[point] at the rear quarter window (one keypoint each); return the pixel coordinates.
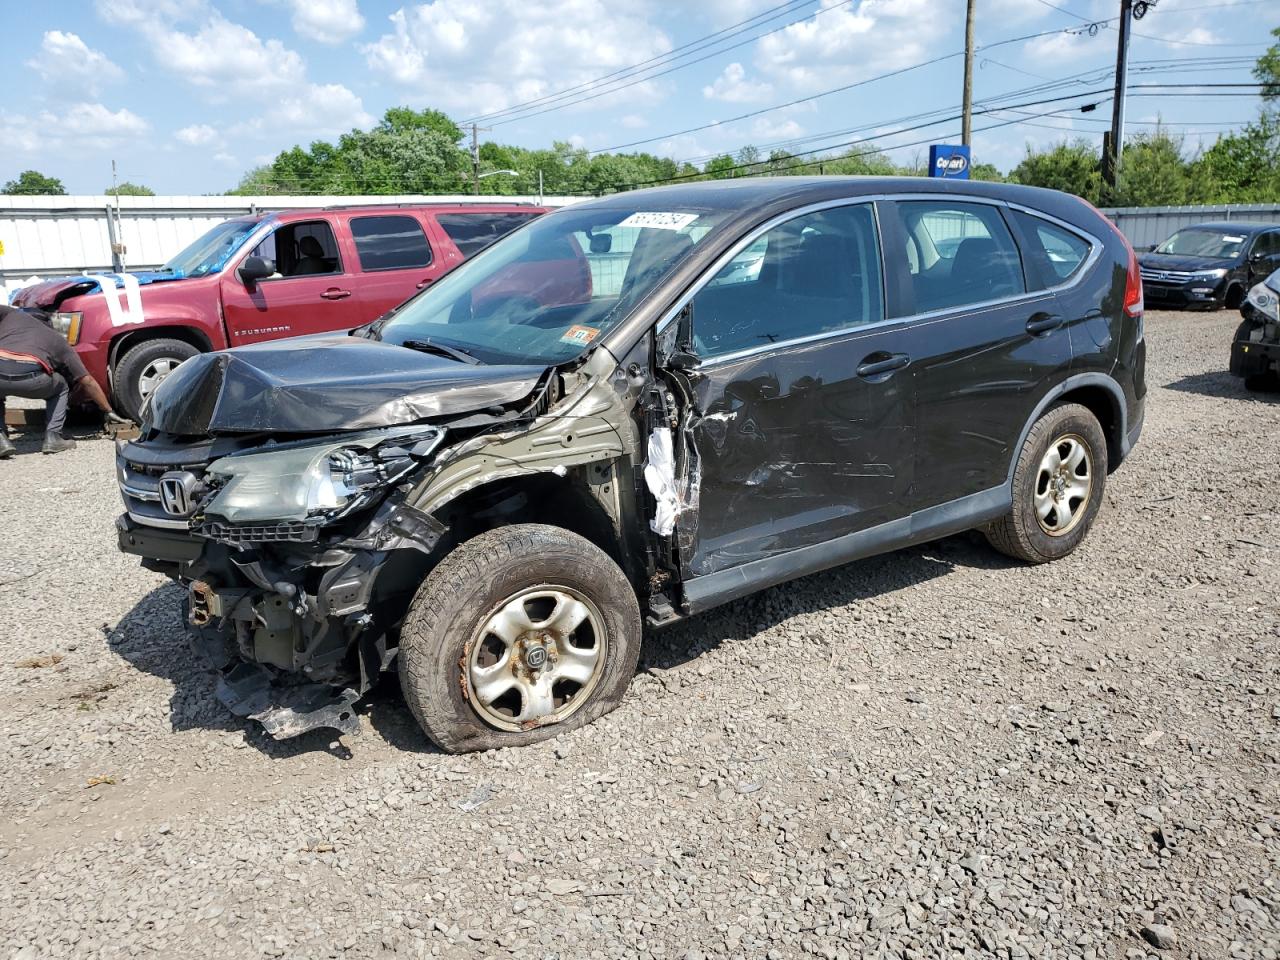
(1055, 252)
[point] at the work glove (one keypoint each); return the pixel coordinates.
(113, 417)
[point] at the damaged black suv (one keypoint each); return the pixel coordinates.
(627, 412)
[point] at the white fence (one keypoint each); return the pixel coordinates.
(54, 236)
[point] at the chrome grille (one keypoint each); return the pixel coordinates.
(1165, 276)
(140, 490)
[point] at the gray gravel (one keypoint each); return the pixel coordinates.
(933, 754)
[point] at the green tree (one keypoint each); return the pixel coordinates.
(1153, 173)
(1267, 70)
(1241, 167)
(1071, 167)
(128, 189)
(31, 182)
(986, 171)
(718, 168)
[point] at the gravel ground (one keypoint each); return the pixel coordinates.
(932, 754)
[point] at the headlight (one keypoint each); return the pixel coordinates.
(315, 480)
(67, 324)
(1266, 301)
(1209, 274)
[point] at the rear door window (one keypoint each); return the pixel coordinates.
(393, 242)
(959, 254)
(472, 232)
(1056, 252)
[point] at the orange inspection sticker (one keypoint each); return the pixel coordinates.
(580, 335)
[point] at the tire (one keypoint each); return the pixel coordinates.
(1023, 533)
(1234, 297)
(134, 372)
(445, 646)
(1268, 382)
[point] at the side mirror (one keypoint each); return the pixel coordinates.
(254, 269)
(601, 242)
(1257, 257)
(1147, 247)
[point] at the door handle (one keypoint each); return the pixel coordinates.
(878, 363)
(1043, 322)
(424, 283)
(333, 293)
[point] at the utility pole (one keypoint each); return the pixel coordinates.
(113, 222)
(966, 125)
(475, 158)
(1113, 147)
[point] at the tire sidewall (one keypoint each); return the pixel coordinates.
(1069, 419)
(435, 645)
(134, 360)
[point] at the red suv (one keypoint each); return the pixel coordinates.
(262, 278)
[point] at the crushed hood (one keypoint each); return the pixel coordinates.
(1180, 262)
(49, 294)
(326, 384)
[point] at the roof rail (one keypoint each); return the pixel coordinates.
(430, 203)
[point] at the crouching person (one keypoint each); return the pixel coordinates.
(37, 363)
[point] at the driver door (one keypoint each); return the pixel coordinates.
(804, 409)
(311, 291)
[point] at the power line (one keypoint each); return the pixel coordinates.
(669, 55)
(833, 90)
(919, 126)
(615, 88)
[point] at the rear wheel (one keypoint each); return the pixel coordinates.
(1058, 483)
(1268, 382)
(142, 368)
(517, 635)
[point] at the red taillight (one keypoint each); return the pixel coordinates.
(1133, 286)
(1133, 305)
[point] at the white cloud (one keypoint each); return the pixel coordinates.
(197, 135)
(149, 11)
(327, 21)
(81, 126)
(67, 62)
(316, 110)
(228, 58)
(763, 128)
(226, 159)
(732, 86)
(633, 121)
(845, 43)
(447, 51)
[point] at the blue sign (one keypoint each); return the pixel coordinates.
(950, 160)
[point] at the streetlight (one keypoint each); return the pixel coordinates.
(493, 173)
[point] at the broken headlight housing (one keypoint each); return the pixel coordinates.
(1265, 299)
(310, 481)
(68, 325)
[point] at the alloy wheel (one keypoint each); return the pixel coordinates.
(1064, 483)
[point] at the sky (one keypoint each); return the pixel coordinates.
(186, 95)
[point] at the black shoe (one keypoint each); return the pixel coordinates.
(53, 443)
(7, 449)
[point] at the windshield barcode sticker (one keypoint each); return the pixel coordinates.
(659, 220)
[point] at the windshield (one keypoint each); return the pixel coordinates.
(212, 250)
(548, 291)
(1214, 244)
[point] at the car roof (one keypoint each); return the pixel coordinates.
(737, 193)
(455, 207)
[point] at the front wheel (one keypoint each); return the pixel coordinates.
(142, 368)
(517, 635)
(1058, 484)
